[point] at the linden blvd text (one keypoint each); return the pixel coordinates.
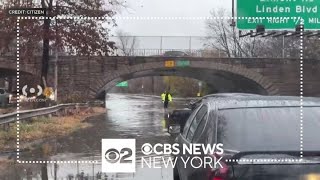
(286, 9)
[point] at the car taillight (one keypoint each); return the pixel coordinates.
(219, 173)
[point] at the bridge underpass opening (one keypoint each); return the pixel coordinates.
(216, 80)
(8, 79)
(8, 73)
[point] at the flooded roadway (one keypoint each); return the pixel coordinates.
(128, 116)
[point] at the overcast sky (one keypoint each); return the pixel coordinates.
(169, 8)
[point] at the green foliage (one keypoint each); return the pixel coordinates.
(81, 36)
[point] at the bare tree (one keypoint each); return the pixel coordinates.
(225, 38)
(312, 48)
(127, 44)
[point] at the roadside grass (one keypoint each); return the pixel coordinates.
(44, 127)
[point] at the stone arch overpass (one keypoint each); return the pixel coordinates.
(93, 76)
(90, 77)
(9, 65)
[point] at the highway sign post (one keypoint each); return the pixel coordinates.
(278, 14)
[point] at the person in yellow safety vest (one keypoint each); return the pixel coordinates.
(166, 98)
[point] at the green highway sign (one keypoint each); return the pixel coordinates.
(122, 84)
(278, 14)
(183, 63)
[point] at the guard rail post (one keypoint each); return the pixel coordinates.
(4, 127)
(77, 108)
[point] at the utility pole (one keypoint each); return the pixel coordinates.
(283, 51)
(56, 76)
(190, 40)
(233, 24)
(56, 65)
(160, 45)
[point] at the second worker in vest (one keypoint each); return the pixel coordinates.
(166, 98)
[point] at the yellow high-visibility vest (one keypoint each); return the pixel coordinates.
(163, 97)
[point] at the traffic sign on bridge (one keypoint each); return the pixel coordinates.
(169, 63)
(278, 14)
(183, 63)
(123, 84)
(179, 63)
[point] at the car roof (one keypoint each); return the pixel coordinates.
(230, 95)
(179, 110)
(235, 102)
(175, 52)
(223, 95)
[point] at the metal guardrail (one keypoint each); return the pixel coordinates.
(25, 114)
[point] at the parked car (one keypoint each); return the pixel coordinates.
(195, 103)
(178, 117)
(175, 54)
(4, 97)
(254, 127)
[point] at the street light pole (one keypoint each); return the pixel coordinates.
(283, 51)
(190, 40)
(233, 22)
(160, 45)
(56, 76)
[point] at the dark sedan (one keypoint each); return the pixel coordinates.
(175, 54)
(263, 137)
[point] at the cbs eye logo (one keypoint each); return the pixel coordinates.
(114, 156)
(32, 91)
(118, 155)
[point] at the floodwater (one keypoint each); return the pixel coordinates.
(128, 116)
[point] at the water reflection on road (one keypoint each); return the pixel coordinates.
(128, 116)
(139, 117)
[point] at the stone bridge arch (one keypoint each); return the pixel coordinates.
(88, 77)
(9, 66)
(110, 79)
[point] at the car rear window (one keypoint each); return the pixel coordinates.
(269, 129)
